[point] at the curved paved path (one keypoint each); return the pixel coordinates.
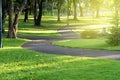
(44, 44)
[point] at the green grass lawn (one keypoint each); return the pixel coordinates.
(17, 63)
(87, 44)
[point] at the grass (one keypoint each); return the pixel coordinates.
(17, 63)
(87, 44)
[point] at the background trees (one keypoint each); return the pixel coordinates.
(37, 8)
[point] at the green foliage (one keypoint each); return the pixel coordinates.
(114, 37)
(89, 34)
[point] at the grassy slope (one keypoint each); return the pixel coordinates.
(87, 43)
(20, 64)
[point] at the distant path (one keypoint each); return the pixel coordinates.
(44, 44)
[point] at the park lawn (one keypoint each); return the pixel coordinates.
(17, 63)
(87, 44)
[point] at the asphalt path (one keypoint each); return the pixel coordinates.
(44, 44)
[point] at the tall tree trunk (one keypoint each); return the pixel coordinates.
(81, 10)
(26, 10)
(26, 15)
(68, 11)
(4, 14)
(37, 18)
(35, 12)
(16, 19)
(59, 9)
(13, 24)
(75, 10)
(40, 13)
(10, 13)
(52, 12)
(97, 13)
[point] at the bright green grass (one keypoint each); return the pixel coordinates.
(87, 44)
(17, 63)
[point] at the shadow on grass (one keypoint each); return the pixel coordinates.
(52, 67)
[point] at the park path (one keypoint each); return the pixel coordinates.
(44, 44)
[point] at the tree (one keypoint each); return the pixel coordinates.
(95, 6)
(75, 9)
(13, 21)
(80, 7)
(114, 37)
(4, 14)
(60, 2)
(26, 10)
(38, 16)
(68, 6)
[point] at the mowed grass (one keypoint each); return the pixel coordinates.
(17, 63)
(87, 44)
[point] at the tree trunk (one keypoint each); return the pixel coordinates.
(26, 10)
(97, 13)
(13, 25)
(26, 15)
(37, 18)
(59, 8)
(52, 12)
(81, 10)
(10, 13)
(35, 12)
(40, 13)
(75, 10)
(4, 14)
(68, 5)
(16, 19)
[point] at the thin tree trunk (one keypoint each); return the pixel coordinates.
(13, 24)
(4, 14)
(26, 11)
(68, 5)
(75, 10)
(52, 12)
(97, 13)
(40, 13)
(10, 13)
(81, 10)
(26, 15)
(59, 9)
(37, 18)
(16, 19)
(35, 12)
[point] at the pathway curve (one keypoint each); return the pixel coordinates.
(44, 44)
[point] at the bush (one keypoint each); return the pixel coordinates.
(114, 37)
(89, 34)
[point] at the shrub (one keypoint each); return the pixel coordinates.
(89, 34)
(114, 37)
